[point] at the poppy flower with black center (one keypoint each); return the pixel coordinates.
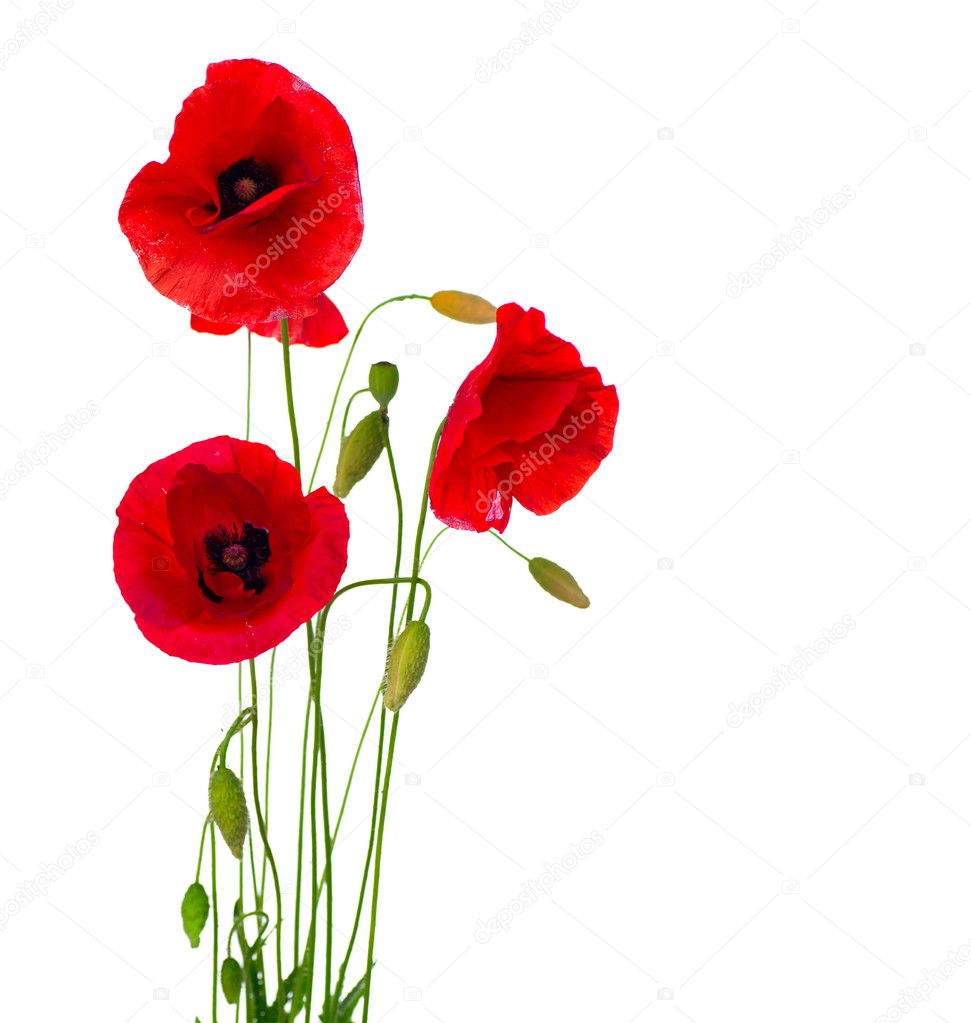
(325, 327)
(257, 209)
(529, 423)
(219, 553)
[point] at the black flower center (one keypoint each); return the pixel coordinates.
(243, 552)
(243, 183)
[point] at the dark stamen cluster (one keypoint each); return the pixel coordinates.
(243, 552)
(243, 183)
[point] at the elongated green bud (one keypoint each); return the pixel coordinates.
(195, 912)
(382, 382)
(227, 804)
(461, 306)
(360, 449)
(409, 655)
(558, 582)
(231, 979)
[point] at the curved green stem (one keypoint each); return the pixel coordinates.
(249, 376)
(261, 823)
(340, 381)
(266, 782)
(285, 338)
(505, 543)
(215, 926)
(347, 409)
(421, 521)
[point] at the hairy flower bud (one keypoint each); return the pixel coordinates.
(195, 912)
(227, 805)
(461, 306)
(409, 655)
(382, 382)
(558, 582)
(360, 449)
(231, 979)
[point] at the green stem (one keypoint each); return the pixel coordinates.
(215, 926)
(249, 376)
(340, 381)
(421, 521)
(505, 543)
(261, 823)
(266, 783)
(285, 338)
(202, 846)
(377, 867)
(347, 409)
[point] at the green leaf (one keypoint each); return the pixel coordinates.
(227, 804)
(349, 1002)
(195, 912)
(231, 979)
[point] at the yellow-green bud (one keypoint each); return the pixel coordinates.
(382, 382)
(461, 306)
(227, 805)
(406, 665)
(558, 582)
(231, 979)
(360, 449)
(195, 912)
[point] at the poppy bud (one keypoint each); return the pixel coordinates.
(360, 449)
(383, 382)
(227, 805)
(231, 979)
(461, 306)
(558, 582)
(409, 655)
(195, 912)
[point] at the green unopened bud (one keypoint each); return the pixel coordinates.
(409, 655)
(231, 979)
(360, 449)
(382, 382)
(558, 582)
(195, 912)
(227, 804)
(461, 306)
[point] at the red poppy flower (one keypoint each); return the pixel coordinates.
(219, 553)
(530, 422)
(325, 327)
(257, 209)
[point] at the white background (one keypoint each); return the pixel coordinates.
(785, 458)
